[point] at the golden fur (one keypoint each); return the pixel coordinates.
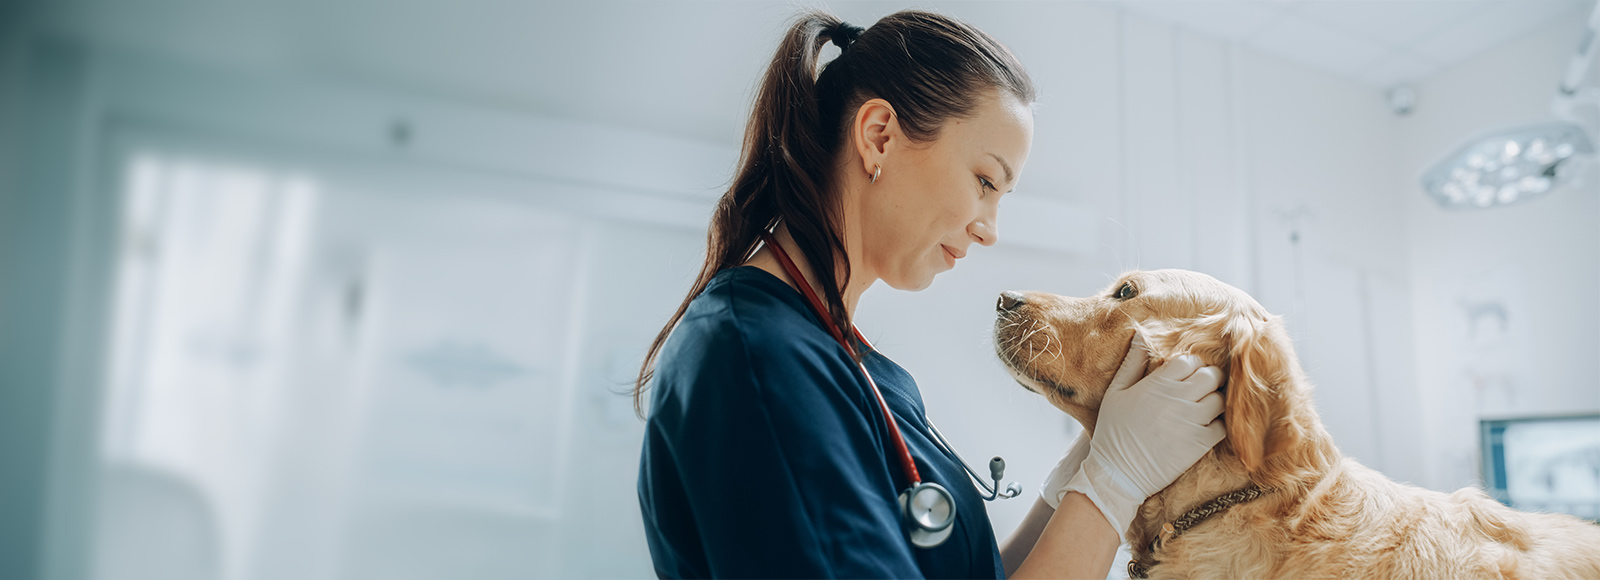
(1331, 517)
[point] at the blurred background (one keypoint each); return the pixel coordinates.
(349, 289)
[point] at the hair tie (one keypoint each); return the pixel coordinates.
(844, 34)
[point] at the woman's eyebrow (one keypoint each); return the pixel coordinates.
(1005, 166)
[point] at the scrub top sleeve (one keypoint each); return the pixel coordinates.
(787, 478)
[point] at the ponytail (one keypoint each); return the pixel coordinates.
(929, 66)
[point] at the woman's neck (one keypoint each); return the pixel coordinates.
(764, 259)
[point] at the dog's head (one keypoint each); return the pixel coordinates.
(1068, 350)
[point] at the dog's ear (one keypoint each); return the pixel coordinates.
(1260, 382)
(1206, 337)
(1259, 408)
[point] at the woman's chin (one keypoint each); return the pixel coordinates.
(913, 282)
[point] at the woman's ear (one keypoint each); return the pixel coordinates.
(1260, 375)
(874, 128)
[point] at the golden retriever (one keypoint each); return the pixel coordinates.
(1328, 516)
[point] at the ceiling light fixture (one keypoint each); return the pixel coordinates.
(1517, 163)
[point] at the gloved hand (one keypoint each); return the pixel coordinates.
(1132, 369)
(1149, 433)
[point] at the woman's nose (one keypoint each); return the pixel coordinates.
(984, 233)
(1009, 301)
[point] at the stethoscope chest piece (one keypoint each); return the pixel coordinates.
(929, 513)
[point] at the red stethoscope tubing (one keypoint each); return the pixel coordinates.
(908, 466)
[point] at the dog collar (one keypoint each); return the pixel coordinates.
(1190, 519)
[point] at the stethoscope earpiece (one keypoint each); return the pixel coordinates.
(997, 468)
(997, 471)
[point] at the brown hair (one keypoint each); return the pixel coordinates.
(931, 68)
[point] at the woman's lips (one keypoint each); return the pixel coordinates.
(949, 256)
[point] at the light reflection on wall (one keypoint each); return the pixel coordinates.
(210, 257)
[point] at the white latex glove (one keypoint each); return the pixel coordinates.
(1149, 433)
(1055, 484)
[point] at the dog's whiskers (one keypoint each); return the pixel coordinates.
(1050, 341)
(1035, 328)
(1044, 349)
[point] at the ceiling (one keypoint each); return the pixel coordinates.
(1380, 43)
(687, 68)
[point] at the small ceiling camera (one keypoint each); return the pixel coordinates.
(1402, 100)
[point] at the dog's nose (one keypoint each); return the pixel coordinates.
(1009, 300)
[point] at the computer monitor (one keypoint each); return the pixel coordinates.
(1544, 464)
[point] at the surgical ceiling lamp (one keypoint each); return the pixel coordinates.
(1518, 163)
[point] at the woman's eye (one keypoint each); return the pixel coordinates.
(986, 184)
(1126, 291)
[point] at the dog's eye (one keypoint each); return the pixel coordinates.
(1126, 291)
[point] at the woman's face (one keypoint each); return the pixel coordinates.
(933, 200)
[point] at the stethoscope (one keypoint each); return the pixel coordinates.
(927, 510)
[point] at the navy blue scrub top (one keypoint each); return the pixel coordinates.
(766, 454)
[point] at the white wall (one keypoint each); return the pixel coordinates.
(44, 99)
(1319, 175)
(21, 488)
(1540, 259)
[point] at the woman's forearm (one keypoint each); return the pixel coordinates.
(1016, 546)
(1076, 542)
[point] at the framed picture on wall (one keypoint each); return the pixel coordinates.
(1544, 464)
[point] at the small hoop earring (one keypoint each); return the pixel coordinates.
(876, 169)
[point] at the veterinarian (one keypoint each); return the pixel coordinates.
(769, 450)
